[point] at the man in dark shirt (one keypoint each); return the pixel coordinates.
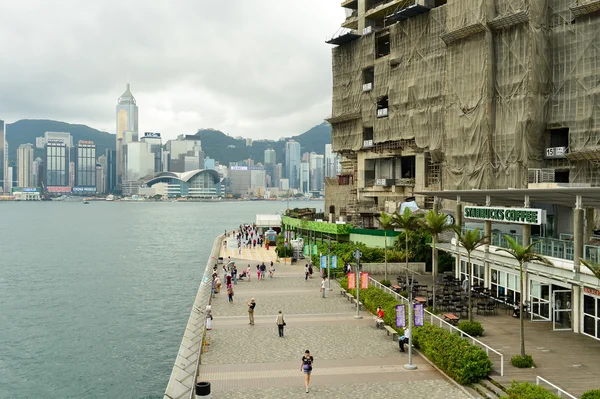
(251, 306)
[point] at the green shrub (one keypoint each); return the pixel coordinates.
(344, 283)
(473, 328)
(386, 283)
(463, 362)
(522, 362)
(526, 390)
(593, 394)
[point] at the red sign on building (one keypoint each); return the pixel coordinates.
(364, 280)
(351, 280)
(59, 189)
(591, 291)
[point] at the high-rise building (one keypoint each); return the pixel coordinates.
(140, 161)
(277, 174)
(3, 157)
(101, 174)
(304, 177)
(292, 163)
(332, 162)
(111, 170)
(269, 161)
(155, 142)
(127, 121)
(38, 171)
(317, 172)
(25, 166)
(85, 167)
(57, 162)
(185, 154)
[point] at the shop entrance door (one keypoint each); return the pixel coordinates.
(562, 312)
(540, 301)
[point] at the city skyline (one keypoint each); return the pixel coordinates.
(183, 90)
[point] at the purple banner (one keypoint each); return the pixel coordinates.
(400, 316)
(419, 314)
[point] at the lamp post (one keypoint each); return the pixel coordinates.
(328, 263)
(410, 365)
(357, 255)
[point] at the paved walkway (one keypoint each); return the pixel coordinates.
(352, 358)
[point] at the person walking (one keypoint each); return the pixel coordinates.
(263, 269)
(323, 287)
(209, 318)
(306, 367)
(248, 272)
(258, 272)
(272, 270)
(280, 321)
(251, 306)
(310, 270)
(230, 292)
(306, 272)
(234, 274)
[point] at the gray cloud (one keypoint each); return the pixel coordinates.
(255, 68)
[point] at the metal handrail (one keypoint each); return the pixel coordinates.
(559, 390)
(442, 323)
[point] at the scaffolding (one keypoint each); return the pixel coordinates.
(476, 84)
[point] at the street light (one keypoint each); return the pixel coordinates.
(329, 263)
(357, 254)
(410, 365)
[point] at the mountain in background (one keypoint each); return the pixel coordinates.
(26, 131)
(225, 149)
(215, 144)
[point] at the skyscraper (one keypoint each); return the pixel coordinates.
(85, 166)
(111, 170)
(101, 175)
(316, 172)
(3, 157)
(292, 163)
(155, 142)
(270, 157)
(25, 166)
(332, 162)
(57, 162)
(38, 172)
(127, 120)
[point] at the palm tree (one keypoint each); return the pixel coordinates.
(470, 241)
(435, 224)
(385, 221)
(522, 254)
(408, 222)
(593, 266)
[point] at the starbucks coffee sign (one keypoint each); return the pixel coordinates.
(505, 215)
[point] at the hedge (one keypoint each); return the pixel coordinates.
(527, 390)
(463, 362)
(593, 394)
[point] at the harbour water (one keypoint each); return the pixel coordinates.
(94, 298)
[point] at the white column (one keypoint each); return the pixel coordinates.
(576, 298)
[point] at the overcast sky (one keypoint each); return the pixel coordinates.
(254, 68)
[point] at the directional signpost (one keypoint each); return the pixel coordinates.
(357, 255)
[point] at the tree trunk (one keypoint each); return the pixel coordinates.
(406, 259)
(433, 266)
(521, 324)
(385, 252)
(469, 286)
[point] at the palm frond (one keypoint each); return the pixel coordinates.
(593, 266)
(435, 223)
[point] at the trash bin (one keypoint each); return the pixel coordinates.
(203, 390)
(220, 260)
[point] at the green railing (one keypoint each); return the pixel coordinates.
(322, 227)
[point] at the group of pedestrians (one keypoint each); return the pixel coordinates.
(248, 236)
(229, 276)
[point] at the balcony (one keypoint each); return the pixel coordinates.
(351, 21)
(367, 87)
(351, 4)
(556, 152)
(382, 113)
(367, 143)
(405, 182)
(343, 36)
(384, 182)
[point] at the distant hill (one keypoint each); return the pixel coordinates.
(26, 131)
(225, 149)
(215, 144)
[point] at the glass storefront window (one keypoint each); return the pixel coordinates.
(591, 316)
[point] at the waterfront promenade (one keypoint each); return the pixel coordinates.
(352, 357)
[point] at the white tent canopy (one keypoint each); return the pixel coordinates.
(269, 220)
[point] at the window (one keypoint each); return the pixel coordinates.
(591, 316)
(561, 176)
(382, 46)
(382, 107)
(408, 167)
(559, 137)
(368, 79)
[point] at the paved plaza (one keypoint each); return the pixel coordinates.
(352, 358)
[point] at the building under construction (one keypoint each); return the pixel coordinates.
(462, 94)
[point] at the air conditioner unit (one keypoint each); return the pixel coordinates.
(367, 86)
(367, 143)
(382, 112)
(384, 182)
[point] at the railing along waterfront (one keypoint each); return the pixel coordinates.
(434, 319)
(186, 367)
(560, 391)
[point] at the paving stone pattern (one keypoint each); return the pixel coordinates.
(353, 359)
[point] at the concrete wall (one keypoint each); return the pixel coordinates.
(394, 269)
